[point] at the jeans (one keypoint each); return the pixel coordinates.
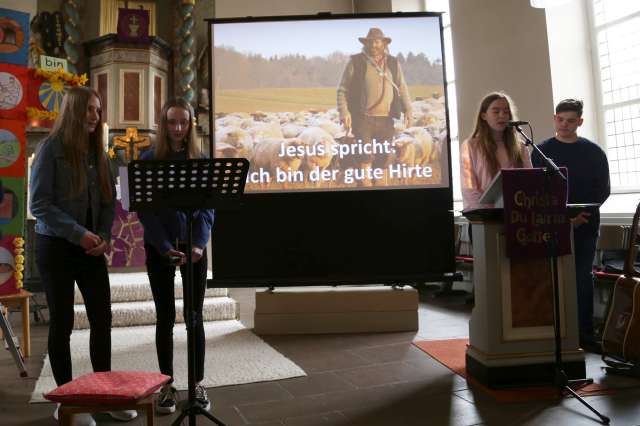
(161, 275)
(61, 263)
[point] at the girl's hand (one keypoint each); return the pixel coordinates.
(98, 250)
(176, 258)
(196, 254)
(89, 241)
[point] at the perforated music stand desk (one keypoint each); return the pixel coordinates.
(187, 185)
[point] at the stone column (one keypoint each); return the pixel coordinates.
(72, 46)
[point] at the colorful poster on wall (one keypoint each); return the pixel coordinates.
(14, 37)
(12, 147)
(9, 265)
(12, 206)
(14, 91)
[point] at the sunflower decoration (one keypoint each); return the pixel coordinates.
(50, 94)
(18, 250)
(51, 91)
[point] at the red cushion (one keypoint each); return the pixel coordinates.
(111, 387)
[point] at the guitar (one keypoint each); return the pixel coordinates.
(621, 337)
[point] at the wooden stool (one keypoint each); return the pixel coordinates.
(107, 391)
(66, 412)
(21, 300)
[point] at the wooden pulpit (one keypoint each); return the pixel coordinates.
(511, 335)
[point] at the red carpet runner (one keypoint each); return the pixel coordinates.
(451, 353)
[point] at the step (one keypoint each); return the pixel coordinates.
(125, 314)
(134, 286)
(342, 309)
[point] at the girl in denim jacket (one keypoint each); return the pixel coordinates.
(72, 199)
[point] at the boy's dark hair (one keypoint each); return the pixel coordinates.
(574, 105)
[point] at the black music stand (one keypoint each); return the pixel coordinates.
(560, 379)
(188, 185)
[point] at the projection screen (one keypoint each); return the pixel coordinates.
(348, 143)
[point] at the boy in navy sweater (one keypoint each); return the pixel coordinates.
(588, 180)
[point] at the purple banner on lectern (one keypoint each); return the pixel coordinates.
(534, 211)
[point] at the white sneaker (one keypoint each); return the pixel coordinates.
(124, 415)
(82, 419)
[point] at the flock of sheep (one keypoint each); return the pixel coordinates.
(289, 150)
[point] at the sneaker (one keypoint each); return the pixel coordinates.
(166, 403)
(124, 415)
(202, 398)
(81, 419)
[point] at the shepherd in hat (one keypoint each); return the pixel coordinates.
(372, 92)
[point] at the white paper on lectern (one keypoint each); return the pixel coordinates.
(493, 193)
(124, 187)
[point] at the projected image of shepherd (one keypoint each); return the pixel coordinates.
(321, 105)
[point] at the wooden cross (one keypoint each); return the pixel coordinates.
(131, 143)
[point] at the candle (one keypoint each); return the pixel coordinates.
(105, 137)
(29, 164)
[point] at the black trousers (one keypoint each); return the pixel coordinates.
(584, 242)
(161, 276)
(61, 264)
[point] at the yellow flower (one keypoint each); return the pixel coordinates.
(82, 80)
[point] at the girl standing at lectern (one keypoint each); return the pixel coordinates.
(492, 146)
(165, 237)
(72, 199)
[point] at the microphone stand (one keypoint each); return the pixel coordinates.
(560, 379)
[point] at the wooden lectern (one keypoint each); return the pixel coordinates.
(511, 335)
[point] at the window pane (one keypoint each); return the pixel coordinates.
(619, 54)
(623, 145)
(605, 11)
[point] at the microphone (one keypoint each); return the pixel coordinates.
(516, 123)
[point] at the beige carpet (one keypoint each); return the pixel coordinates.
(234, 355)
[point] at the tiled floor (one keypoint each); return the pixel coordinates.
(361, 379)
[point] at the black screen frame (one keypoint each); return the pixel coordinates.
(387, 236)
